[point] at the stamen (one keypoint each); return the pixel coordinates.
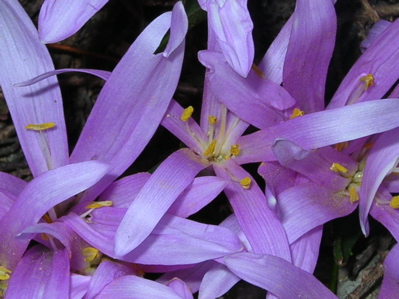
(47, 218)
(211, 149)
(212, 119)
(353, 195)
(257, 70)
(368, 81)
(246, 183)
(4, 273)
(90, 254)
(235, 150)
(187, 113)
(40, 127)
(296, 113)
(100, 204)
(338, 168)
(394, 202)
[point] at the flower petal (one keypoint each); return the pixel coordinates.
(276, 275)
(383, 157)
(309, 52)
(322, 128)
(232, 25)
(157, 195)
(143, 84)
(47, 273)
(40, 195)
(24, 57)
(390, 282)
(261, 226)
(59, 19)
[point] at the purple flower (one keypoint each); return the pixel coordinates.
(59, 19)
(126, 114)
(390, 282)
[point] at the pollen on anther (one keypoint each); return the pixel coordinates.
(90, 253)
(246, 183)
(235, 150)
(40, 127)
(368, 81)
(353, 195)
(338, 168)
(258, 71)
(212, 119)
(296, 113)
(4, 273)
(187, 113)
(99, 204)
(211, 149)
(394, 202)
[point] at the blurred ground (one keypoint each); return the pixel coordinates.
(107, 36)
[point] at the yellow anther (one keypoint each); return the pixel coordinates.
(40, 127)
(257, 70)
(246, 182)
(4, 273)
(211, 149)
(100, 204)
(187, 113)
(212, 120)
(353, 195)
(90, 254)
(368, 81)
(235, 150)
(338, 168)
(296, 113)
(394, 202)
(47, 218)
(341, 146)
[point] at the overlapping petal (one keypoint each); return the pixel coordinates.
(133, 100)
(36, 104)
(59, 19)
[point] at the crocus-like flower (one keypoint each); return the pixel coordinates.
(371, 77)
(59, 19)
(390, 282)
(230, 27)
(126, 114)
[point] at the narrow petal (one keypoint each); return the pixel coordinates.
(40, 195)
(24, 57)
(307, 206)
(132, 103)
(79, 285)
(47, 273)
(105, 273)
(201, 192)
(122, 192)
(383, 157)
(309, 52)
(180, 288)
(390, 282)
(217, 281)
(59, 19)
(157, 195)
(382, 212)
(130, 286)
(261, 226)
(276, 275)
(232, 25)
(322, 128)
(256, 100)
(305, 250)
(272, 63)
